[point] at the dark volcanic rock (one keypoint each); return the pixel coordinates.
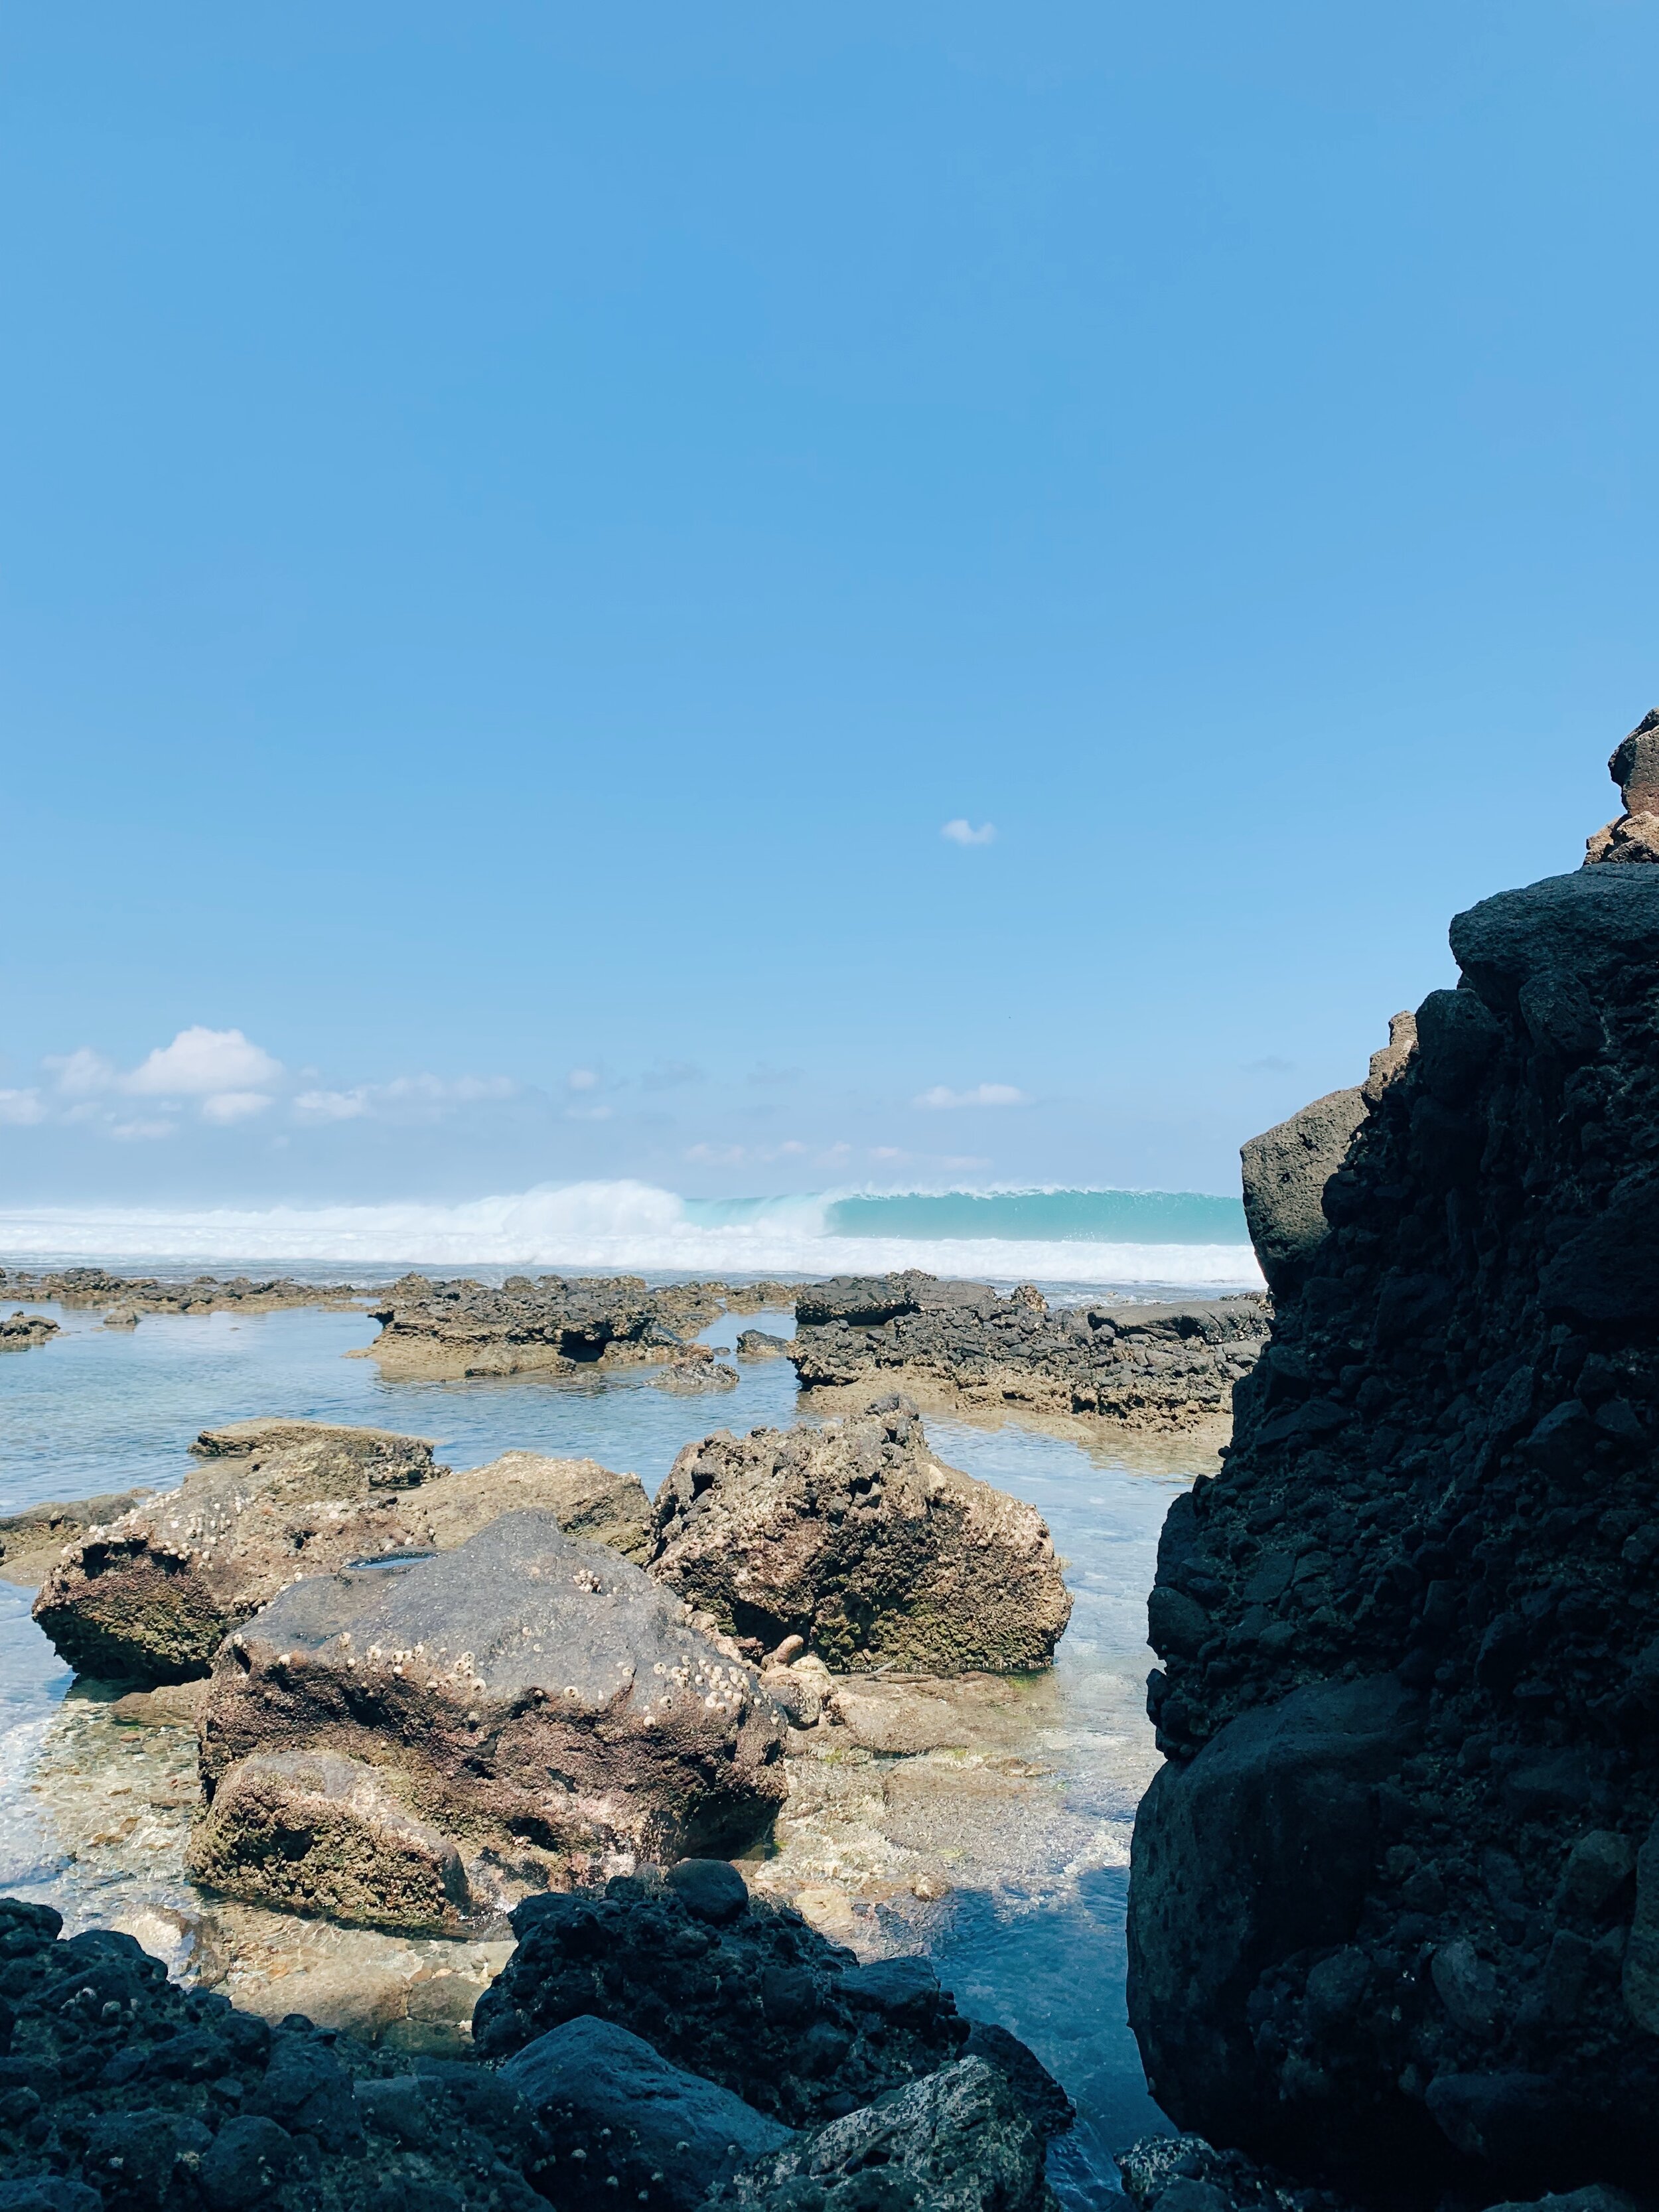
(609, 2114)
(1394, 1909)
(532, 1697)
(854, 1538)
(1184, 2173)
(119, 2089)
(955, 2142)
(757, 2002)
(1634, 768)
(150, 1594)
(550, 1326)
(761, 1344)
(82, 1287)
(1141, 1367)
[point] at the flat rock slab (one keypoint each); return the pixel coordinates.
(963, 1345)
(856, 1539)
(150, 1593)
(533, 1697)
(553, 1326)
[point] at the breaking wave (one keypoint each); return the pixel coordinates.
(1174, 1239)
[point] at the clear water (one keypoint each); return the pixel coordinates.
(1032, 1934)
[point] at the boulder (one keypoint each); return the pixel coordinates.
(856, 1538)
(1285, 1171)
(150, 1593)
(609, 2113)
(689, 1378)
(32, 1542)
(761, 1344)
(955, 2142)
(313, 1833)
(753, 1998)
(552, 1326)
(531, 1697)
(23, 1332)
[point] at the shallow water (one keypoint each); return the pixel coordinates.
(1027, 1832)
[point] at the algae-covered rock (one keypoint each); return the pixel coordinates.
(856, 1539)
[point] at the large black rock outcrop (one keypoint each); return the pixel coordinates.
(1395, 1906)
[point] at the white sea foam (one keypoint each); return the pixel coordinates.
(598, 1226)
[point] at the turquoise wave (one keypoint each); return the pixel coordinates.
(1061, 1217)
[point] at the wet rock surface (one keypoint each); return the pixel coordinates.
(133, 1295)
(1169, 1367)
(151, 1593)
(550, 1326)
(855, 1539)
(32, 1542)
(1394, 1894)
(533, 1697)
(25, 1332)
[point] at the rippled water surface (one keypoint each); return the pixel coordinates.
(1032, 1828)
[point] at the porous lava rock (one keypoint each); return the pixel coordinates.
(742, 1991)
(149, 1593)
(955, 2142)
(1393, 1915)
(121, 2089)
(552, 1326)
(23, 1332)
(1634, 768)
(531, 1697)
(33, 1540)
(1169, 1367)
(91, 1287)
(854, 1538)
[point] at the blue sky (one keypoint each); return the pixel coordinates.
(523, 525)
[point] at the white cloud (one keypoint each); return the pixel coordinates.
(142, 1131)
(963, 832)
(20, 1107)
(668, 1074)
(82, 1075)
(720, 1155)
(582, 1078)
(200, 1061)
(588, 1112)
(227, 1106)
(982, 1094)
(953, 1161)
(332, 1105)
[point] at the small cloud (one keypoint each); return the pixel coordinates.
(588, 1112)
(954, 1161)
(82, 1075)
(718, 1156)
(225, 1107)
(885, 1152)
(19, 1107)
(332, 1105)
(143, 1132)
(939, 1099)
(582, 1078)
(200, 1061)
(963, 832)
(1273, 1065)
(668, 1074)
(770, 1076)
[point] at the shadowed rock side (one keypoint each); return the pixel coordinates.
(1141, 1367)
(120, 2088)
(32, 1542)
(1395, 1906)
(853, 1538)
(550, 1326)
(532, 1698)
(151, 1594)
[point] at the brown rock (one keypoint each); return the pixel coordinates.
(533, 1697)
(153, 1595)
(854, 1537)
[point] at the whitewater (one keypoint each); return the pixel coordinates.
(1081, 1239)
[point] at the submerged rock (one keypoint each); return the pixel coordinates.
(743, 1992)
(855, 1539)
(1392, 1912)
(531, 1697)
(1159, 1367)
(151, 1594)
(690, 1377)
(955, 2142)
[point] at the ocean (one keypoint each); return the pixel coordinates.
(1139, 1241)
